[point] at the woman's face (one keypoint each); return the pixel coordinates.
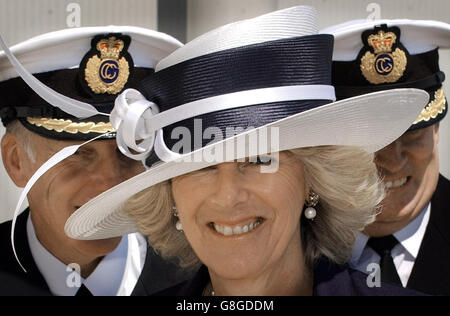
(240, 221)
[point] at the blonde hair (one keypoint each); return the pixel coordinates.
(345, 178)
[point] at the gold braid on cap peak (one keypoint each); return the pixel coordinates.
(434, 108)
(67, 126)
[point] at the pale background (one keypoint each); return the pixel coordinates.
(22, 19)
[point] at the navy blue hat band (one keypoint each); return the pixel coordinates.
(288, 62)
(294, 61)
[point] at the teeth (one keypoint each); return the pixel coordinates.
(227, 231)
(237, 230)
(219, 229)
(396, 183)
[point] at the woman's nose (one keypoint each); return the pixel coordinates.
(230, 188)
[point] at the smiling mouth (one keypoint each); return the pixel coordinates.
(236, 230)
(397, 183)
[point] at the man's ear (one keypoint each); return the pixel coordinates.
(15, 159)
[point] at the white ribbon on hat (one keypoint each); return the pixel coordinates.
(130, 116)
(135, 118)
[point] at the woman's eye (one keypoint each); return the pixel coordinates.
(260, 160)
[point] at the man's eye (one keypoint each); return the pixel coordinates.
(77, 153)
(412, 137)
(85, 154)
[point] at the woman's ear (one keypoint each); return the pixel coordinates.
(307, 188)
(15, 159)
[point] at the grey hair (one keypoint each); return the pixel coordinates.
(24, 136)
(345, 178)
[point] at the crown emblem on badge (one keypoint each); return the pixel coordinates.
(382, 42)
(107, 71)
(385, 64)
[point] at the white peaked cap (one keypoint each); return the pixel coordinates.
(66, 48)
(418, 36)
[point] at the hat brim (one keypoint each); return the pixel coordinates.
(370, 121)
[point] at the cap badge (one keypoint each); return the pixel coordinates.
(388, 61)
(108, 70)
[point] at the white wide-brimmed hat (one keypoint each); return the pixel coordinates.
(271, 73)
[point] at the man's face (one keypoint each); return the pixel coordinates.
(410, 169)
(95, 168)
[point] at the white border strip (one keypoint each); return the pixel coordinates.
(241, 99)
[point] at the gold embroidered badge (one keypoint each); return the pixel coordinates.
(108, 73)
(385, 65)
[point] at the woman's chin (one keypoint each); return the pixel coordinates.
(234, 269)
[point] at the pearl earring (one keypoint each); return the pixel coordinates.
(310, 212)
(178, 225)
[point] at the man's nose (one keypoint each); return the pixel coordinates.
(230, 187)
(106, 174)
(392, 158)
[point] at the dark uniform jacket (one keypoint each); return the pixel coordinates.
(431, 271)
(157, 273)
(329, 280)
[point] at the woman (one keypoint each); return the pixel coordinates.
(272, 207)
(251, 229)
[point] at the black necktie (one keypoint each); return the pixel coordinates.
(83, 291)
(383, 246)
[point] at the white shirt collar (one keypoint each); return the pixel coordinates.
(107, 277)
(116, 274)
(410, 237)
(137, 254)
